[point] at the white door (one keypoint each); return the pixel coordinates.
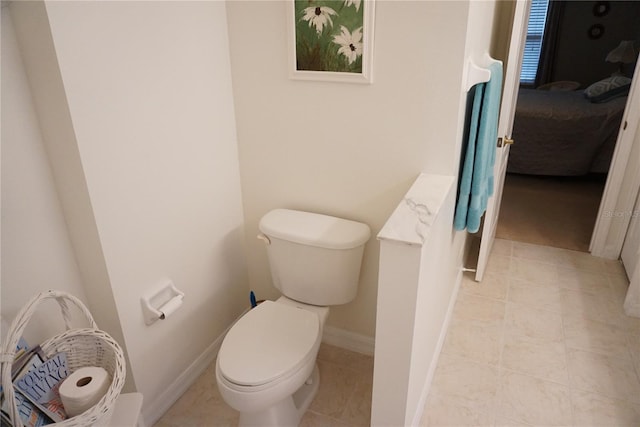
(505, 126)
(631, 249)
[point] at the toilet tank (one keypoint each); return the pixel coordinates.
(314, 258)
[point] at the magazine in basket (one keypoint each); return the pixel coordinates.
(41, 382)
(36, 382)
(30, 415)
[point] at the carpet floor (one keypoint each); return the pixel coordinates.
(551, 211)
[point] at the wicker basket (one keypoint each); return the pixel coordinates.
(83, 347)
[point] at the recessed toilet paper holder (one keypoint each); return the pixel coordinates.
(161, 302)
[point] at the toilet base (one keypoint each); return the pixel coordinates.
(289, 411)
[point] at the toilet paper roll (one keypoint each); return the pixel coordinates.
(170, 307)
(83, 389)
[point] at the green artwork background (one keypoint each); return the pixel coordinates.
(318, 52)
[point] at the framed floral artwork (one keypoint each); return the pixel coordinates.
(331, 40)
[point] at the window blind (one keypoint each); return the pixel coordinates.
(533, 43)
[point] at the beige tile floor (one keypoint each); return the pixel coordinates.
(542, 341)
(343, 399)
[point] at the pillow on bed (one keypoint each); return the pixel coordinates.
(607, 89)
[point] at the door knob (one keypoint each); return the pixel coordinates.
(505, 141)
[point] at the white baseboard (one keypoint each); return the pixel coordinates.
(153, 412)
(436, 357)
(348, 340)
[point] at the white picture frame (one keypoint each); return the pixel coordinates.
(331, 40)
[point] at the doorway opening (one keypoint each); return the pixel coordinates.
(557, 211)
(558, 166)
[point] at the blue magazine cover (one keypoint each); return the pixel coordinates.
(31, 416)
(41, 382)
(28, 412)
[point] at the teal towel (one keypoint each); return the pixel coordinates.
(476, 181)
(460, 221)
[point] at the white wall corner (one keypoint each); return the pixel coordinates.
(154, 410)
(348, 340)
(39, 55)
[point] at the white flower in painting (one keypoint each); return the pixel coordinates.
(355, 3)
(350, 43)
(318, 17)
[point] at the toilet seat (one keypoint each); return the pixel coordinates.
(269, 342)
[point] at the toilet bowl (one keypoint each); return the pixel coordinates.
(266, 367)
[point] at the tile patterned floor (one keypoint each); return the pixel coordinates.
(344, 397)
(542, 341)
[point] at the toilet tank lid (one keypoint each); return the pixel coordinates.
(314, 229)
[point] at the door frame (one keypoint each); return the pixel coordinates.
(624, 174)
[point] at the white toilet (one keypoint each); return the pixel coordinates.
(266, 367)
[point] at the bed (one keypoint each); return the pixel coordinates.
(562, 133)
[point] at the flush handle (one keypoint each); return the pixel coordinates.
(265, 238)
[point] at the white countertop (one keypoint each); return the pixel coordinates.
(411, 221)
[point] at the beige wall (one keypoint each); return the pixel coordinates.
(36, 249)
(150, 131)
(135, 103)
(48, 93)
(344, 149)
(582, 59)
